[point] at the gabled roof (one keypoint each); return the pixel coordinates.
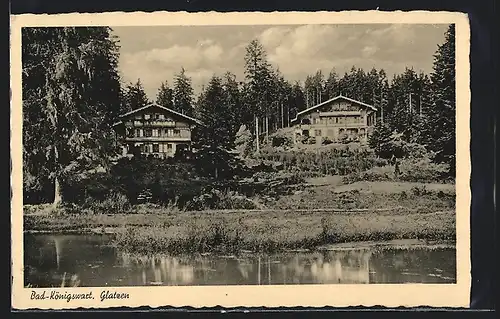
(191, 119)
(340, 97)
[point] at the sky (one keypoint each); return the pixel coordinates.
(155, 54)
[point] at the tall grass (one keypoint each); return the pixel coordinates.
(234, 236)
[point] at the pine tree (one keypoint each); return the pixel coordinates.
(67, 117)
(258, 74)
(331, 85)
(233, 102)
(440, 128)
(215, 138)
(298, 100)
(165, 96)
(135, 96)
(183, 94)
(380, 139)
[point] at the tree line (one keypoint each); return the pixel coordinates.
(72, 94)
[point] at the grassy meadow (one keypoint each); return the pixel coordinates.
(322, 211)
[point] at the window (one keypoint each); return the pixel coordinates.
(155, 132)
(156, 148)
(169, 147)
(317, 132)
(161, 116)
(148, 132)
(177, 132)
(336, 120)
(130, 132)
(137, 132)
(144, 148)
(147, 116)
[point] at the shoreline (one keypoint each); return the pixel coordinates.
(405, 244)
(257, 231)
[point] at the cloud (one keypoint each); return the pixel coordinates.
(206, 42)
(156, 65)
(158, 54)
(273, 36)
(213, 53)
(307, 49)
(368, 51)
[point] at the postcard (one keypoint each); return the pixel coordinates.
(240, 159)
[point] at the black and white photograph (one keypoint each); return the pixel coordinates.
(238, 155)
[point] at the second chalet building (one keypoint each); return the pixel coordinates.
(155, 130)
(339, 118)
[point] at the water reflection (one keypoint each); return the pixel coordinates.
(90, 261)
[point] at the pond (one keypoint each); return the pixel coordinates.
(92, 261)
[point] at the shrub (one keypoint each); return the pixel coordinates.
(326, 141)
(411, 170)
(375, 174)
(215, 199)
(311, 140)
(115, 203)
(422, 170)
(243, 141)
(343, 138)
(332, 161)
(281, 139)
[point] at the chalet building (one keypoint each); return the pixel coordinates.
(338, 119)
(154, 130)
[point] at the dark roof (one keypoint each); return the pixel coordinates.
(190, 119)
(340, 97)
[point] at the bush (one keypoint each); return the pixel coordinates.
(329, 162)
(326, 141)
(422, 170)
(215, 199)
(281, 139)
(343, 138)
(411, 170)
(243, 141)
(115, 203)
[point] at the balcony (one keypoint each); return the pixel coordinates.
(177, 138)
(340, 113)
(337, 125)
(155, 123)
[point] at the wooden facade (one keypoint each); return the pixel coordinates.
(155, 130)
(338, 119)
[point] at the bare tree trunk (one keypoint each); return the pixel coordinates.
(267, 127)
(257, 133)
(258, 271)
(269, 269)
(57, 186)
(57, 193)
(382, 113)
(288, 115)
(282, 115)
